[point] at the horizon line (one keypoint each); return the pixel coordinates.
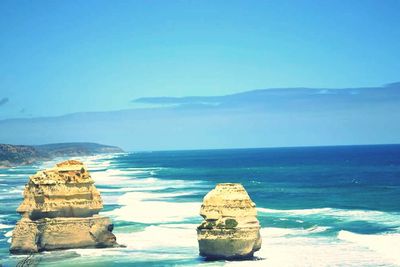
(270, 147)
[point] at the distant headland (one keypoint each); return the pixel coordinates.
(13, 155)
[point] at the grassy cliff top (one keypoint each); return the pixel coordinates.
(12, 155)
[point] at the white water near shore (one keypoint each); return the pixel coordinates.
(169, 226)
(386, 218)
(281, 246)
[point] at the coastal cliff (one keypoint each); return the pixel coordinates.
(230, 229)
(12, 155)
(60, 210)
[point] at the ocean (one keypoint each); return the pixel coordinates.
(318, 206)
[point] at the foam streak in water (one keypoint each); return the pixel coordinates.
(388, 218)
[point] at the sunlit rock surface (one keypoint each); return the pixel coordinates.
(230, 229)
(60, 210)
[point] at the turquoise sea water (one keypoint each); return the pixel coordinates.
(322, 206)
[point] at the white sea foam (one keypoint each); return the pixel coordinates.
(388, 218)
(113, 190)
(161, 236)
(121, 177)
(8, 234)
(112, 177)
(161, 242)
(110, 199)
(275, 231)
(131, 257)
(149, 170)
(387, 244)
(123, 181)
(284, 247)
(135, 189)
(133, 197)
(296, 211)
(15, 176)
(5, 226)
(131, 184)
(99, 159)
(108, 173)
(93, 252)
(317, 229)
(16, 190)
(154, 211)
(93, 166)
(281, 247)
(140, 203)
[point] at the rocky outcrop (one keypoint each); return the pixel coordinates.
(60, 210)
(230, 229)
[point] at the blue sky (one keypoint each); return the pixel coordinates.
(61, 57)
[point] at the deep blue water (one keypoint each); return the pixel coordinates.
(356, 177)
(341, 204)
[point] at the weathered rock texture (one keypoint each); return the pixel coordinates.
(60, 210)
(230, 229)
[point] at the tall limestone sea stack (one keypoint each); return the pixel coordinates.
(60, 210)
(230, 229)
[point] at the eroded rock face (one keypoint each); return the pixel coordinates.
(60, 210)
(230, 229)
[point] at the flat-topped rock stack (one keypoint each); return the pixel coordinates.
(60, 210)
(230, 229)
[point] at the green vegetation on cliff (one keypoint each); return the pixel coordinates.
(12, 155)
